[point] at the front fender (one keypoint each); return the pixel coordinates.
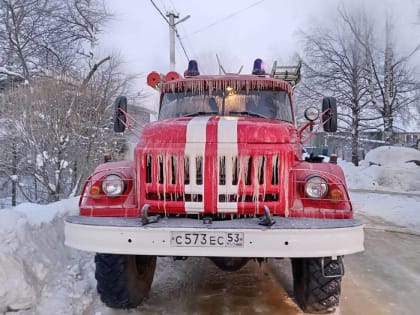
(330, 170)
(94, 202)
(335, 205)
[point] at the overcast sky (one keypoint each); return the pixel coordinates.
(238, 31)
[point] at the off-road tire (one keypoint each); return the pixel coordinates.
(314, 292)
(123, 281)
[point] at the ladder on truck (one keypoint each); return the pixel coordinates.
(290, 74)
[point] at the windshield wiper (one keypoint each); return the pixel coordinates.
(246, 113)
(200, 114)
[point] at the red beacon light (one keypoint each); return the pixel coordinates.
(192, 70)
(258, 68)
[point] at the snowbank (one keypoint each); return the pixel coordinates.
(392, 156)
(37, 272)
(386, 169)
(397, 209)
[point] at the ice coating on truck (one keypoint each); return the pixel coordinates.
(220, 175)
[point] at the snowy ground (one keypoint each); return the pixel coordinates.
(39, 275)
(387, 185)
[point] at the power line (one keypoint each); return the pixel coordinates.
(173, 30)
(183, 29)
(224, 18)
(160, 12)
(182, 45)
(188, 43)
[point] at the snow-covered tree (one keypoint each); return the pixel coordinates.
(48, 37)
(62, 132)
(56, 97)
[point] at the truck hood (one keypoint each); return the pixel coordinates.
(219, 129)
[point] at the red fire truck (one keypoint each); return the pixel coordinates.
(220, 175)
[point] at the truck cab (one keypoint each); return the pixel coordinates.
(220, 175)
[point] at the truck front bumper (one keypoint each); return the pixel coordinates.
(288, 237)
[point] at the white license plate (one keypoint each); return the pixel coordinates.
(207, 239)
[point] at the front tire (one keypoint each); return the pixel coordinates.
(314, 292)
(123, 281)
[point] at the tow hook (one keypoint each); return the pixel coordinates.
(145, 219)
(266, 220)
(335, 270)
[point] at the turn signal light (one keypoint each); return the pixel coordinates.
(336, 195)
(95, 191)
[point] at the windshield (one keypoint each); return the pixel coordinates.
(261, 103)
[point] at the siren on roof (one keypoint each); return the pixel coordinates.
(258, 68)
(192, 69)
(171, 76)
(153, 79)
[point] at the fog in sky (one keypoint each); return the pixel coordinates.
(238, 31)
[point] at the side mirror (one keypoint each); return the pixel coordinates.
(329, 114)
(120, 109)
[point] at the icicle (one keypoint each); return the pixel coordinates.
(220, 83)
(264, 176)
(284, 181)
(166, 178)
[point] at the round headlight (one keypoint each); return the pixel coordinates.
(113, 185)
(311, 113)
(316, 187)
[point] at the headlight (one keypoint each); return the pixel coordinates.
(316, 187)
(113, 185)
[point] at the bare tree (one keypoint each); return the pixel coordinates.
(335, 64)
(393, 85)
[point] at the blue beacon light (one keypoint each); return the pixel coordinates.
(258, 68)
(192, 68)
